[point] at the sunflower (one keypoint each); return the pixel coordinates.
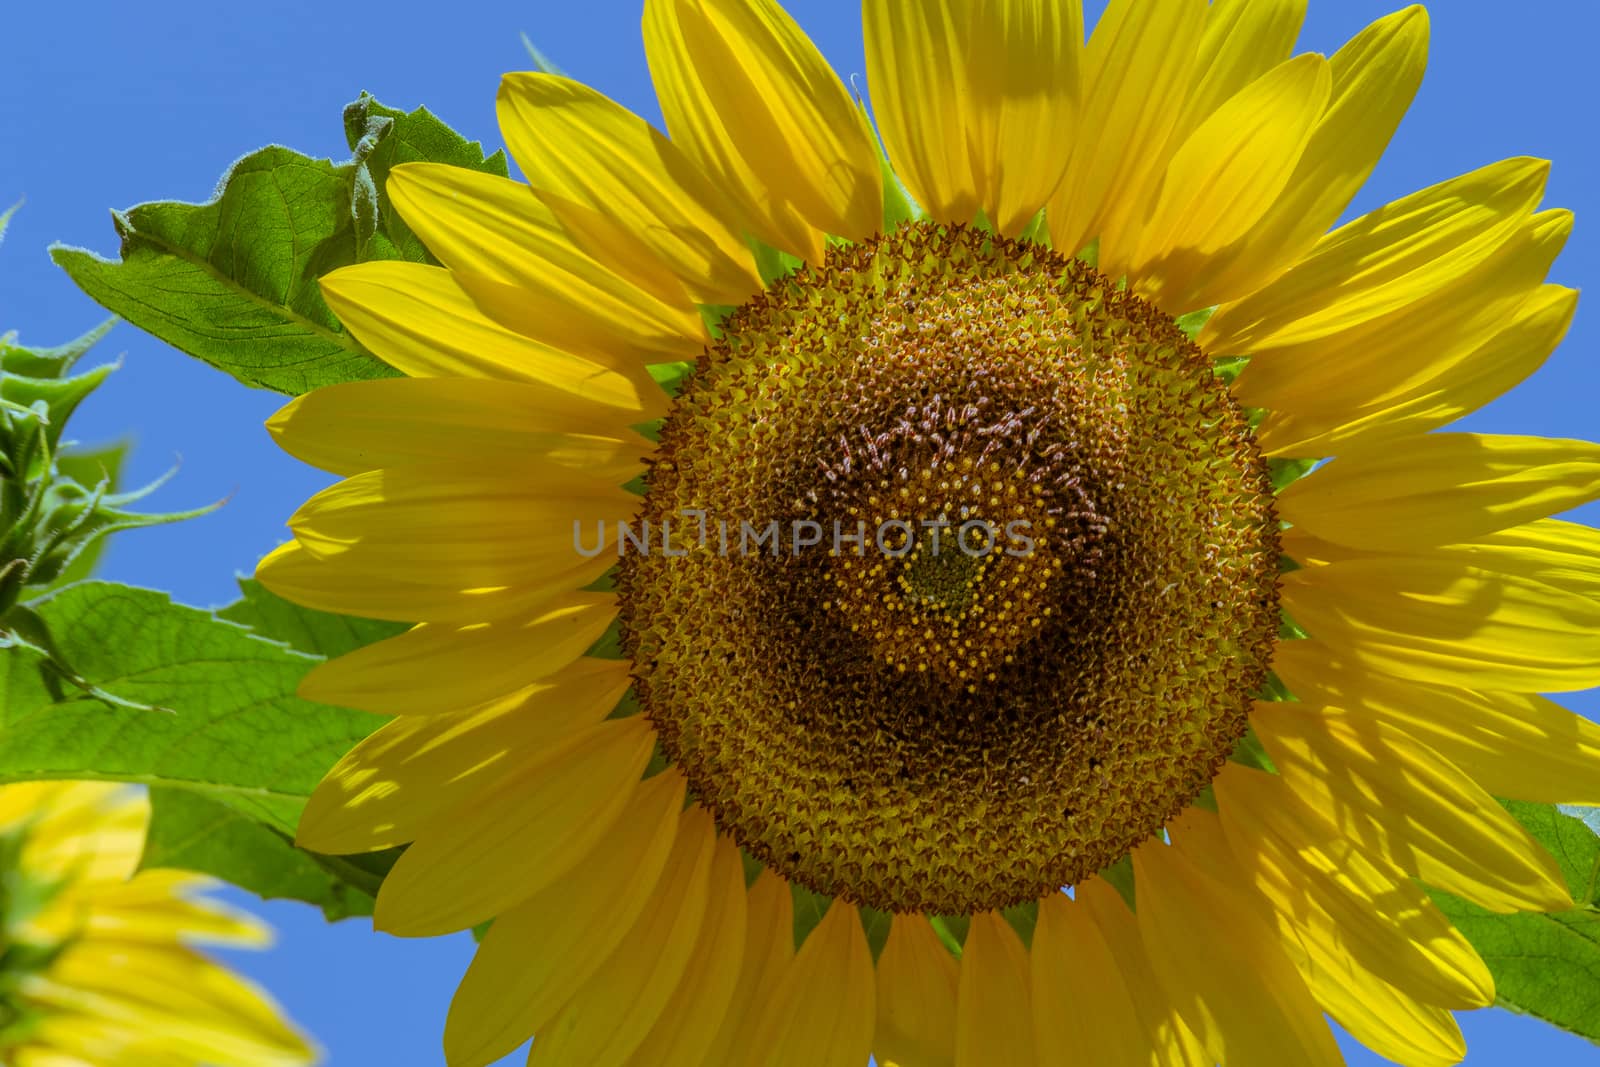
(743, 765)
(96, 963)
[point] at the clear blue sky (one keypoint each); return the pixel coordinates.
(106, 104)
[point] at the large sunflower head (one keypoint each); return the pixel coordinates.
(877, 587)
(97, 963)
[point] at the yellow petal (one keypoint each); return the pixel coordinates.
(632, 199)
(349, 429)
(821, 1012)
(536, 954)
(1082, 1010)
(1563, 554)
(517, 835)
(917, 981)
(420, 321)
(1515, 745)
(750, 99)
(403, 775)
(1140, 59)
(1174, 1044)
(1380, 919)
(1226, 175)
(508, 250)
(696, 1010)
(1243, 39)
(1401, 800)
(1375, 78)
(1376, 1013)
(199, 1008)
(1444, 624)
(975, 101)
(485, 543)
(1381, 359)
(1456, 381)
(1441, 488)
(769, 949)
(1383, 261)
(994, 1016)
(435, 669)
(295, 574)
(150, 908)
(660, 998)
(1194, 930)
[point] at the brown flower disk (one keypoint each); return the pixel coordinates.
(935, 727)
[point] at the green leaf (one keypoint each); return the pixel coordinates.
(234, 281)
(1547, 966)
(239, 735)
(193, 832)
(316, 633)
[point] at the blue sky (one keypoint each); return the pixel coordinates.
(104, 105)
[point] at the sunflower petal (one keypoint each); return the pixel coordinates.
(471, 863)
(355, 427)
(1140, 59)
(1174, 1043)
(821, 1012)
(684, 946)
(1384, 261)
(1441, 488)
(632, 198)
(917, 983)
(974, 101)
(1375, 78)
(506, 248)
(1082, 1009)
(498, 537)
(769, 951)
(994, 1017)
(295, 574)
(1196, 929)
(1390, 353)
(528, 965)
(434, 669)
(421, 322)
(1243, 39)
(1457, 380)
(1407, 803)
(1378, 1015)
(1440, 623)
(1226, 175)
(749, 98)
(1515, 745)
(1380, 918)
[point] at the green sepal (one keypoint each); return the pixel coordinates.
(49, 362)
(1038, 230)
(1285, 472)
(1192, 323)
(1119, 876)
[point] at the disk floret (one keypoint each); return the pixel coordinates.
(1043, 593)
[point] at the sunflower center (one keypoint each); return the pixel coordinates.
(987, 578)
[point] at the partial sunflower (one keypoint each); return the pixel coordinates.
(97, 964)
(763, 776)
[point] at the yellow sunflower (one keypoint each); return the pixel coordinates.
(746, 768)
(97, 967)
